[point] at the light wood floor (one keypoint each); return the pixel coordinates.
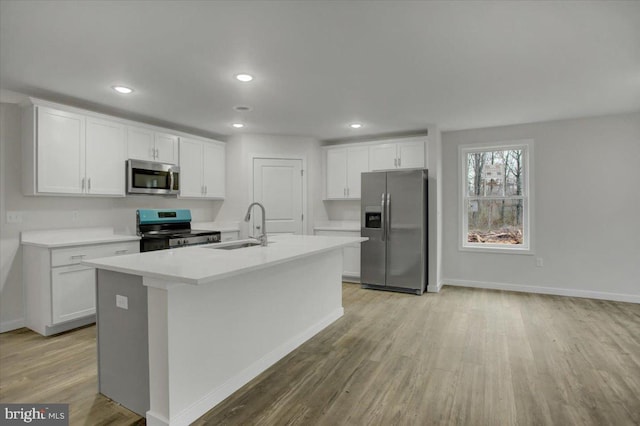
(461, 357)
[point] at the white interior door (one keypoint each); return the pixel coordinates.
(277, 184)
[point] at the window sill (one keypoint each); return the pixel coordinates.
(497, 249)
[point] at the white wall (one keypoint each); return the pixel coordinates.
(241, 148)
(586, 213)
(56, 212)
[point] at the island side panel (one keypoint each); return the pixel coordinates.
(223, 334)
(123, 354)
(158, 414)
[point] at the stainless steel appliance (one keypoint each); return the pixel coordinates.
(394, 218)
(166, 228)
(150, 177)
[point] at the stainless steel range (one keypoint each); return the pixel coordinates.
(161, 229)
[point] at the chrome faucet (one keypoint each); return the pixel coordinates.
(262, 238)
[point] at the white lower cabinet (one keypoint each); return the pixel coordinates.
(60, 292)
(73, 293)
(350, 255)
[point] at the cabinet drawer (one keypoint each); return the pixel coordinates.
(75, 255)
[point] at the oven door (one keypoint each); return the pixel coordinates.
(148, 177)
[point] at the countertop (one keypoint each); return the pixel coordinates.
(56, 238)
(202, 264)
(338, 225)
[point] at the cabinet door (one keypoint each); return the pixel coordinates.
(336, 173)
(140, 143)
(351, 262)
(60, 151)
(105, 157)
(411, 155)
(350, 255)
(191, 168)
(357, 163)
(166, 148)
(73, 293)
(213, 170)
(382, 157)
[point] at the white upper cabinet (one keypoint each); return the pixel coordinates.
(411, 155)
(383, 156)
(213, 169)
(336, 173)
(75, 154)
(357, 163)
(105, 157)
(343, 167)
(191, 168)
(145, 144)
(69, 151)
(398, 155)
(166, 148)
(202, 169)
(60, 151)
(140, 143)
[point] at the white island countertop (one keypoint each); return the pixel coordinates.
(202, 264)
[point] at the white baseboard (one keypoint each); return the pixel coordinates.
(218, 394)
(154, 419)
(602, 295)
(11, 325)
(435, 289)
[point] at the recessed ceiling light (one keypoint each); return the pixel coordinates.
(242, 108)
(244, 77)
(355, 125)
(122, 89)
(238, 125)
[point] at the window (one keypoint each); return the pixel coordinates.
(495, 202)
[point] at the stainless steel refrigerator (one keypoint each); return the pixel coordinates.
(394, 218)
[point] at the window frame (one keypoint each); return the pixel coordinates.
(527, 246)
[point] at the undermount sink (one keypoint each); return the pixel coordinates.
(235, 246)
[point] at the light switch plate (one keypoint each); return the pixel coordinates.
(122, 301)
(14, 217)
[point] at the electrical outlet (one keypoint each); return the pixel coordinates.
(14, 217)
(122, 301)
(75, 215)
(539, 262)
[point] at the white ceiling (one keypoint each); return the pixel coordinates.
(394, 66)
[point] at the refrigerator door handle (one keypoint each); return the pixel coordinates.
(383, 224)
(388, 216)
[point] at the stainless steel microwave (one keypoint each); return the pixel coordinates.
(150, 177)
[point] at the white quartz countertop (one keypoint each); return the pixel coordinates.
(338, 225)
(203, 264)
(73, 237)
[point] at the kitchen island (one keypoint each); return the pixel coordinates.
(190, 326)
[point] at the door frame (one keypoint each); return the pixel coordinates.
(305, 174)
